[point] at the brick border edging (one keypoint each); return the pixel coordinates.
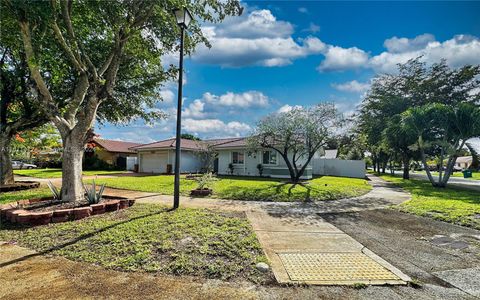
(20, 186)
(13, 214)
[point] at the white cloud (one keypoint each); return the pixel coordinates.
(216, 127)
(256, 38)
(351, 86)
(242, 100)
(303, 10)
(338, 59)
(167, 96)
(257, 24)
(458, 51)
(399, 45)
(194, 110)
(313, 28)
(286, 108)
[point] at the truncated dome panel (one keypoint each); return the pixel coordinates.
(334, 267)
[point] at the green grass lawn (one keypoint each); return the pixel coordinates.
(25, 194)
(475, 175)
(250, 188)
(150, 238)
(57, 173)
(449, 204)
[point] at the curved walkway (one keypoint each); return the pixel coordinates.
(382, 195)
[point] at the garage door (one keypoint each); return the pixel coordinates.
(153, 163)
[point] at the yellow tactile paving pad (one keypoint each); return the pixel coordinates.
(333, 267)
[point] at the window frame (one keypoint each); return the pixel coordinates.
(237, 163)
(269, 157)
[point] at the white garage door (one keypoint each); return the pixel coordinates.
(153, 163)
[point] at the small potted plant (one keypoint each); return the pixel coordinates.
(231, 168)
(260, 169)
(202, 185)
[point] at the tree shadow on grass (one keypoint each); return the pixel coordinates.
(77, 239)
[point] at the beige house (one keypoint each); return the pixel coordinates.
(464, 162)
(114, 153)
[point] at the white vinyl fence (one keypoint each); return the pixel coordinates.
(339, 167)
(131, 162)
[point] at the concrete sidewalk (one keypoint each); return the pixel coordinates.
(309, 250)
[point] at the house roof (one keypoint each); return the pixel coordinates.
(233, 143)
(188, 144)
(464, 159)
(170, 143)
(330, 154)
(116, 146)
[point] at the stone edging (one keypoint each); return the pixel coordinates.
(12, 213)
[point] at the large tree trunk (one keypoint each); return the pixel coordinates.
(406, 167)
(6, 171)
(72, 186)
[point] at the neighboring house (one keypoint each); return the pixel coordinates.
(464, 162)
(115, 153)
(159, 157)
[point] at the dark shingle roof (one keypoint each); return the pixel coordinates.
(170, 143)
(193, 145)
(116, 146)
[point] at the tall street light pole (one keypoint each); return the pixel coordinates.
(183, 17)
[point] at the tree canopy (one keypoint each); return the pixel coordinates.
(298, 134)
(102, 60)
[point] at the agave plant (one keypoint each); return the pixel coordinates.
(91, 194)
(57, 194)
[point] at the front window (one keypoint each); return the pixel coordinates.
(237, 157)
(269, 157)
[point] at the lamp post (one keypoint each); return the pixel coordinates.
(183, 17)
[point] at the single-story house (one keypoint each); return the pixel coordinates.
(464, 162)
(235, 158)
(115, 153)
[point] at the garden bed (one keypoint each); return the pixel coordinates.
(42, 211)
(19, 185)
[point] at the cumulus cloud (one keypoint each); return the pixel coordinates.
(256, 24)
(286, 108)
(313, 28)
(241, 100)
(167, 96)
(458, 51)
(399, 45)
(338, 59)
(351, 86)
(194, 109)
(216, 127)
(256, 38)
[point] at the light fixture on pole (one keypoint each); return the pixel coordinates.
(183, 17)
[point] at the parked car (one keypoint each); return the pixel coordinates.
(21, 165)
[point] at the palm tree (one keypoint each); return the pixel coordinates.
(444, 130)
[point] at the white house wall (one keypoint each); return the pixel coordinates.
(339, 167)
(157, 161)
(251, 160)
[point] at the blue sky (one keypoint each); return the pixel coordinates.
(284, 53)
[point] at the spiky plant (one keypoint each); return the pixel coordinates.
(91, 194)
(57, 194)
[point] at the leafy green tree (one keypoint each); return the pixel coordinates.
(30, 143)
(102, 60)
(415, 85)
(400, 139)
(446, 127)
(189, 136)
(19, 108)
(297, 135)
